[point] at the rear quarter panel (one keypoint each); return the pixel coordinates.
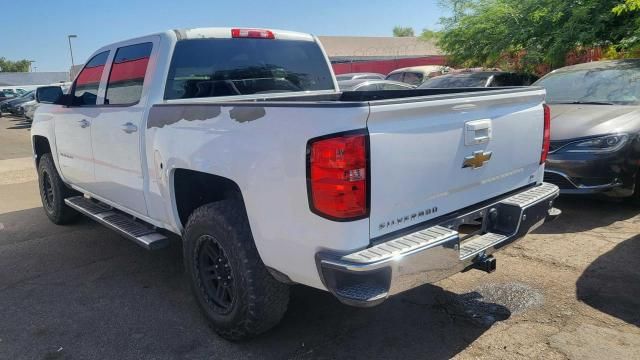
(262, 148)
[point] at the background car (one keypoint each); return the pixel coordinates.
(372, 85)
(7, 103)
(29, 108)
(4, 95)
(416, 75)
(13, 106)
(479, 79)
(595, 122)
(4, 104)
(354, 76)
(16, 91)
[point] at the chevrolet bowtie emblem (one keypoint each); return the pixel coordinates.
(476, 160)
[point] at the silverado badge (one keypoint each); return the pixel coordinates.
(476, 160)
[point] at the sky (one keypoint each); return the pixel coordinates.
(37, 29)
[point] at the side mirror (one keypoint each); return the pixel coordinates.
(49, 95)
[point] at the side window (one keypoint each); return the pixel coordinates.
(395, 77)
(85, 91)
(127, 74)
(413, 78)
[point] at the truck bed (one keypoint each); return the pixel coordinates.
(379, 96)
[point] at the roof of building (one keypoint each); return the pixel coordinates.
(370, 46)
(32, 78)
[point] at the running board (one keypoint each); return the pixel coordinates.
(141, 233)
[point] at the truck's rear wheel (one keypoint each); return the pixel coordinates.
(233, 287)
(53, 191)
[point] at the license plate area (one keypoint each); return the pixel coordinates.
(470, 224)
(499, 218)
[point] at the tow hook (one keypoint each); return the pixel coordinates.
(485, 263)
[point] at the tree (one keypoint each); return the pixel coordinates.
(430, 35)
(14, 66)
(490, 32)
(400, 31)
(458, 7)
(627, 6)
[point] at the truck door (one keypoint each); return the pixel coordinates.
(73, 125)
(117, 131)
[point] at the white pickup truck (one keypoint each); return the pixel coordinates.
(239, 141)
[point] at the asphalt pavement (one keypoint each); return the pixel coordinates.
(83, 292)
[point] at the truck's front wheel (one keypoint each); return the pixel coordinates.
(53, 191)
(233, 287)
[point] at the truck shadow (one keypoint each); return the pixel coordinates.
(611, 283)
(20, 124)
(83, 287)
(581, 213)
(426, 322)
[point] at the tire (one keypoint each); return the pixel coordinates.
(240, 298)
(53, 192)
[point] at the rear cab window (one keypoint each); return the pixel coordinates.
(85, 91)
(231, 67)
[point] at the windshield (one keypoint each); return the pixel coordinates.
(454, 81)
(618, 85)
(228, 67)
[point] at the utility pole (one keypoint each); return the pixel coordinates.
(71, 53)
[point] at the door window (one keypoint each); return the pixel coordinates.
(127, 74)
(413, 78)
(88, 81)
(395, 76)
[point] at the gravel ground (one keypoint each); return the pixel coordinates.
(569, 290)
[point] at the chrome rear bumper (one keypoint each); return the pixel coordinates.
(367, 277)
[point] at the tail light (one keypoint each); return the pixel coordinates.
(337, 176)
(546, 137)
(252, 34)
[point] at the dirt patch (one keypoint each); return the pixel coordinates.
(515, 296)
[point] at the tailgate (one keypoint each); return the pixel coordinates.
(436, 155)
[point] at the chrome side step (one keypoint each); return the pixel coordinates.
(141, 233)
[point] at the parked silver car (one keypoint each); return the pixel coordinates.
(354, 76)
(416, 75)
(595, 112)
(479, 79)
(372, 85)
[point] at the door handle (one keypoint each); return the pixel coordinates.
(129, 128)
(477, 132)
(84, 123)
